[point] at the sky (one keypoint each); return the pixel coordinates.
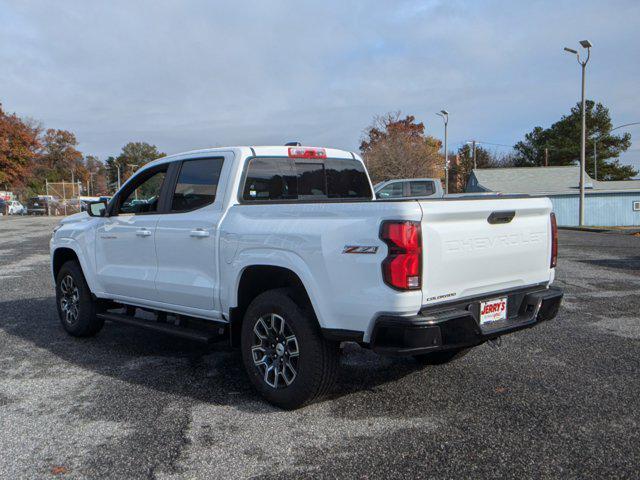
(192, 74)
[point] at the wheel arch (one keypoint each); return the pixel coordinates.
(64, 253)
(60, 257)
(259, 278)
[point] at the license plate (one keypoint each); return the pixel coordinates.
(493, 310)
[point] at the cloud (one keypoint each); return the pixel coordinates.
(193, 74)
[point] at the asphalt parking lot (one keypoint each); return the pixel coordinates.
(559, 400)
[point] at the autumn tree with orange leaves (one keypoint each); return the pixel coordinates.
(60, 159)
(396, 147)
(19, 147)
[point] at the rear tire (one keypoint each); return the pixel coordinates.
(76, 309)
(287, 359)
(440, 358)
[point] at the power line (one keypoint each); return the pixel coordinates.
(494, 144)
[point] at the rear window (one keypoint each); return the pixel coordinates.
(271, 179)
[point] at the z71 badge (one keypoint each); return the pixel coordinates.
(359, 249)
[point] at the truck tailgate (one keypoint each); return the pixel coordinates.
(467, 252)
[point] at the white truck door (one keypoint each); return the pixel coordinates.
(126, 262)
(186, 240)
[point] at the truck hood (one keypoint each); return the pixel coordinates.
(75, 218)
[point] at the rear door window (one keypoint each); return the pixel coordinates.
(421, 189)
(197, 184)
(301, 179)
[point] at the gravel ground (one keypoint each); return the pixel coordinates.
(559, 400)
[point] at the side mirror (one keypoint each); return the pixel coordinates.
(97, 209)
(378, 195)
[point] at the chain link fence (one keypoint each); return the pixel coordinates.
(62, 198)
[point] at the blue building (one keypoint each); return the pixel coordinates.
(608, 204)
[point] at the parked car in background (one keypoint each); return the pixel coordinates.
(4, 207)
(16, 208)
(409, 188)
(43, 205)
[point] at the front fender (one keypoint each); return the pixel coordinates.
(88, 267)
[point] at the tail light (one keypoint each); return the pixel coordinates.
(554, 240)
(402, 267)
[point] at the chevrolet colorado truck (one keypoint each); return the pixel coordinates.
(287, 253)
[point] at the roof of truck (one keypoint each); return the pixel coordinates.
(259, 150)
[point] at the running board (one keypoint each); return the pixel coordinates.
(197, 335)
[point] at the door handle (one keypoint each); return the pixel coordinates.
(143, 232)
(199, 233)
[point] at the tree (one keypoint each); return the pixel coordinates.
(19, 145)
(60, 160)
(395, 147)
(562, 141)
(132, 157)
(97, 175)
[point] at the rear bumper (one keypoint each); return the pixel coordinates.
(458, 327)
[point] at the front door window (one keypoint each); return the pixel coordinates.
(143, 194)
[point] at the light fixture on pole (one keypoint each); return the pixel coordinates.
(445, 116)
(586, 44)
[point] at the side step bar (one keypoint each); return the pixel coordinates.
(189, 333)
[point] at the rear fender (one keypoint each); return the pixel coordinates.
(273, 258)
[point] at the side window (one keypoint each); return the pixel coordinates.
(144, 193)
(421, 189)
(270, 179)
(197, 184)
(393, 190)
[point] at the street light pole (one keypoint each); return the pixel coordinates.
(445, 116)
(595, 160)
(583, 140)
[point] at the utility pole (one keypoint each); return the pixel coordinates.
(48, 198)
(118, 167)
(595, 161)
(473, 153)
(583, 138)
(90, 186)
(546, 157)
(445, 116)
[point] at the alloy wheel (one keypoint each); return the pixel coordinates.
(275, 351)
(69, 300)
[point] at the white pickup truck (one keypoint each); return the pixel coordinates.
(286, 251)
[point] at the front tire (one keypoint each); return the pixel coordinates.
(287, 359)
(76, 309)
